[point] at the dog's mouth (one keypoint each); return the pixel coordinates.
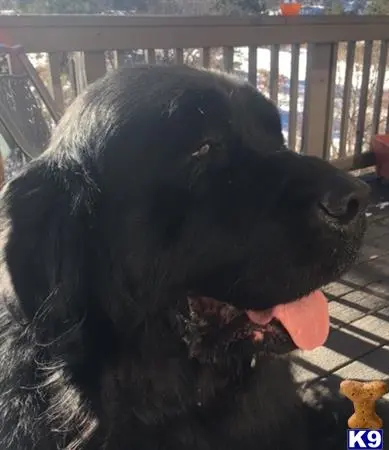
(306, 320)
(213, 326)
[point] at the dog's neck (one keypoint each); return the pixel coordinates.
(158, 393)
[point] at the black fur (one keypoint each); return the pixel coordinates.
(160, 183)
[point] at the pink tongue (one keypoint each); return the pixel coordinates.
(306, 320)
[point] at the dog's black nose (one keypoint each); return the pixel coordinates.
(346, 199)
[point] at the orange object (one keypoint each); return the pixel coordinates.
(290, 9)
(380, 148)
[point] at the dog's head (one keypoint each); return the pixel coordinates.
(167, 205)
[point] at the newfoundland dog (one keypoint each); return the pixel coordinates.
(159, 261)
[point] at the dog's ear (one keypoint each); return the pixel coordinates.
(46, 220)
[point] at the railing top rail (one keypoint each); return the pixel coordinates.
(72, 20)
(50, 33)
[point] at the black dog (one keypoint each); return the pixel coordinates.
(143, 258)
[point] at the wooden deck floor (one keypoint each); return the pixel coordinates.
(358, 346)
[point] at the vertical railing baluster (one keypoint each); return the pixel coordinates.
(150, 56)
(345, 117)
(252, 69)
(379, 87)
(363, 99)
(179, 56)
(55, 79)
(330, 102)
(228, 59)
(293, 96)
(95, 65)
(274, 72)
(206, 57)
(320, 67)
(119, 58)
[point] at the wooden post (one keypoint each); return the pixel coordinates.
(321, 64)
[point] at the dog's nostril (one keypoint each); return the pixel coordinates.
(341, 207)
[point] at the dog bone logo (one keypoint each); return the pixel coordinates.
(364, 396)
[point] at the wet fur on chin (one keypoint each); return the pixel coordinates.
(104, 236)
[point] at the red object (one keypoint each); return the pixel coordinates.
(380, 148)
(4, 38)
(290, 9)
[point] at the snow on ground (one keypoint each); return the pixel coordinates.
(264, 61)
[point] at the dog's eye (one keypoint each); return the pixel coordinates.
(203, 150)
